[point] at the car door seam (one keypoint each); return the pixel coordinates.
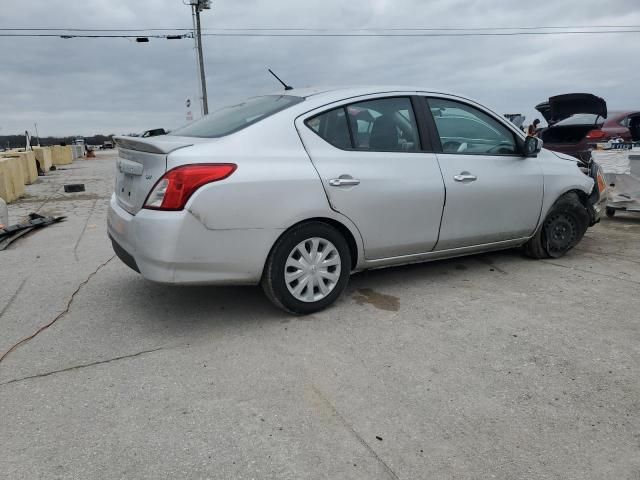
(324, 189)
(444, 202)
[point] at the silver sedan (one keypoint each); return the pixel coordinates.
(297, 190)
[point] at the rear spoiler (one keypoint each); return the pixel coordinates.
(162, 144)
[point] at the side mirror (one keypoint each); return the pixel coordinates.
(532, 146)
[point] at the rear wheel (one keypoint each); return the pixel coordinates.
(562, 230)
(307, 269)
(611, 212)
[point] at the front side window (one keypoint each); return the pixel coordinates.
(467, 130)
(384, 125)
(236, 117)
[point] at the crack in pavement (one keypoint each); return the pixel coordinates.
(348, 426)
(590, 272)
(60, 315)
(84, 365)
(48, 198)
(13, 297)
(84, 229)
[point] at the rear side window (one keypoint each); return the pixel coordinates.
(332, 127)
(386, 125)
(383, 125)
(236, 117)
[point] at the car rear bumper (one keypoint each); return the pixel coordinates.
(175, 248)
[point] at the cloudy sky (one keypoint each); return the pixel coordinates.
(86, 86)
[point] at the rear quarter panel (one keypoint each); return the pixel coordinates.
(274, 187)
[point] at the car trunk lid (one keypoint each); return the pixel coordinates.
(141, 163)
(562, 107)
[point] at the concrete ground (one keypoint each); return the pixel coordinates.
(492, 366)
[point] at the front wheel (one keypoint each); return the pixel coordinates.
(308, 268)
(562, 230)
(611, 212)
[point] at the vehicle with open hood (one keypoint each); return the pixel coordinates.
(578, 120)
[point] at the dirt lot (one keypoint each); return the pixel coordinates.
(492, 366)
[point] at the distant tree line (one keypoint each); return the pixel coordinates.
(18, 141)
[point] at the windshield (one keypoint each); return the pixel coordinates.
(581, 119)
(236, 117)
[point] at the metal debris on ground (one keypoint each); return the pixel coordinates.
(74, 187)
(10, 234)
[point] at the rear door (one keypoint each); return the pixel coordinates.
(377, 171)
(493, 192)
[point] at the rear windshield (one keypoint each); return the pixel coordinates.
(582, 119)
(236, 117)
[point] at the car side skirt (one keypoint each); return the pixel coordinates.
(443, 254)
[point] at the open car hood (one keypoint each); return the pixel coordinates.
(563, 106)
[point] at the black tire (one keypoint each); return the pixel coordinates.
(273, 277)
(611, 212)
(562, 230)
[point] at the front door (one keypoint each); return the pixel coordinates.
(493, 192)
(375, 171)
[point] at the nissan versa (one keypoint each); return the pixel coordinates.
(297, 190)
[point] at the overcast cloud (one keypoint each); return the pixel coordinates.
(87, 86)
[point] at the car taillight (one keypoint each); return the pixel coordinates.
(596, 135)
(176, 186)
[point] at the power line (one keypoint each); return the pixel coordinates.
(363, 35)
(423, 28)
(478, 34)
(67, 36)
(320, 29)
(40, 29)
(141, 33)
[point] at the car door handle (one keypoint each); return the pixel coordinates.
(465, 176)
(343, 181)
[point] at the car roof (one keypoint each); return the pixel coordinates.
(316, 97)
(320, 96)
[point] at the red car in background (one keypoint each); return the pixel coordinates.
(578, 120)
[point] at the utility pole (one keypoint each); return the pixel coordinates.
(196, 7)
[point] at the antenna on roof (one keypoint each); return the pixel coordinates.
(286, 87)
